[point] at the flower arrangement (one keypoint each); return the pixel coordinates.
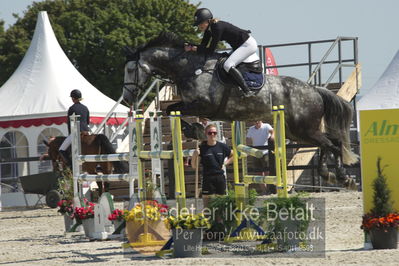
(382, 216)
(150, 210)
(372, 221)
(65, 207)
(187, 221)
(85, 212)
(118, 215)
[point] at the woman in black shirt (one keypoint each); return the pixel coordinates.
(214, 156)
(243, 44)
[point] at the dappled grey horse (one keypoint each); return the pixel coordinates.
(203, 94)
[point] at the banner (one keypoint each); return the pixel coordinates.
(269, 61)
(379, 137)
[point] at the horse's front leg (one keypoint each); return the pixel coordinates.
(175, 107)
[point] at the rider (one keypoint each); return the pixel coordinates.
(78, 109)
(243, 44)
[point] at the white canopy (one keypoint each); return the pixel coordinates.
(38, 91)
(385, 93)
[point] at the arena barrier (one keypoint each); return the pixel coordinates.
(240, 153)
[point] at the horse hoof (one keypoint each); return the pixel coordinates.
(351, 184)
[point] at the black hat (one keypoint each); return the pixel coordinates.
(201, 15)
(76, 94)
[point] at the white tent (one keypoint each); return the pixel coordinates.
(34, 100)
(385, 93)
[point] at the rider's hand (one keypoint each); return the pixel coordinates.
(187, 48)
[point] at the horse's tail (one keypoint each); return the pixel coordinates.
(107, 148)
(338, 115)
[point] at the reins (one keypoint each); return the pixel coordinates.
(211, 71)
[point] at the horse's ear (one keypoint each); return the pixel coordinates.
(131, 54)
(128, 51)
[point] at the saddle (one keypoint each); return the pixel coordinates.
(251, 72)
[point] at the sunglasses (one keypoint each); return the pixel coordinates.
(212, 133)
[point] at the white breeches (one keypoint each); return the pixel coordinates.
(245, 53)
(67, 142)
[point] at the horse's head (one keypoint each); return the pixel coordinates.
(154, 58)
(137, 74)
(53, 144)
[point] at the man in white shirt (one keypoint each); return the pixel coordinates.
(259, 135)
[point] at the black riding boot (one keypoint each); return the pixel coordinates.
(67, 159)
(236, 74)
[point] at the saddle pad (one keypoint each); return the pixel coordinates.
(253, 80)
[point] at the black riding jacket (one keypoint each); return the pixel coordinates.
(222, 31)
(79, 109)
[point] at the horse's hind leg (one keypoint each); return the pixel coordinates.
(343, 178)
(339, 165)
(320, 139)
(322, 168)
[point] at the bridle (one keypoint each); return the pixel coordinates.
(135, 82)
(146, 70)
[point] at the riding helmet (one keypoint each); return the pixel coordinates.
(76, 94)
(201, 15)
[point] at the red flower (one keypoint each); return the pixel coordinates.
(85, 212)
(371, 221)
(117, 215)
(65, 207)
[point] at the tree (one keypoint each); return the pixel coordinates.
(92, 33)
(383, 204)
(2, 33)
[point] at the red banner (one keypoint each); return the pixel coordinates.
(269, 61)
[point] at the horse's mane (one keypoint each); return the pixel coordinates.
(165, 39)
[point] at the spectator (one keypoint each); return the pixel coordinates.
(212, 154)
(259, 135)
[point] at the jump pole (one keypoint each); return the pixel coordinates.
(78, 159)
(178, 162)
(157, 170)
(178, 159)
(177, 154)
(240, 152)
(280, 151)
(75, 152)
